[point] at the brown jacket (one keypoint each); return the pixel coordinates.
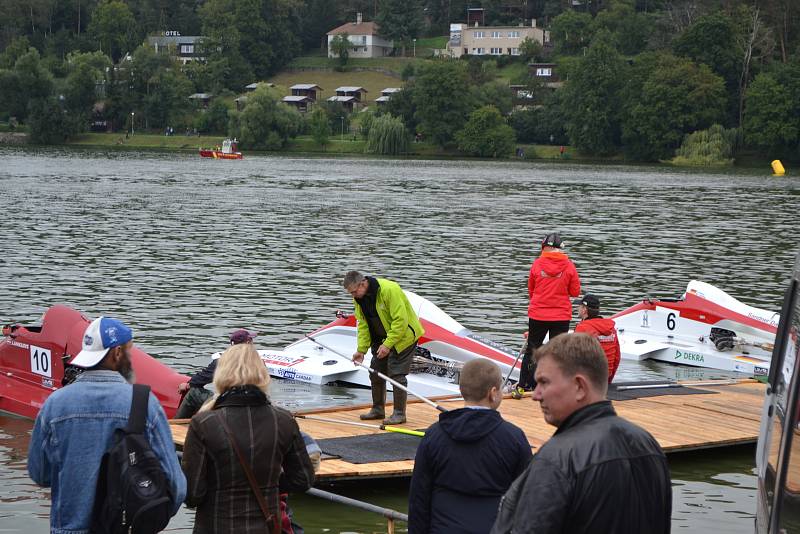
(217, 485)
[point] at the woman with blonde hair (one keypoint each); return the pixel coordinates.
(239, 442)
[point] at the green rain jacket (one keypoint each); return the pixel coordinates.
(397, 316)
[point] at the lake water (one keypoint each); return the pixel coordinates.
(186, 249)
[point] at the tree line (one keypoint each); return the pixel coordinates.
(638, 76)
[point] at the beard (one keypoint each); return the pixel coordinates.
(126, 368)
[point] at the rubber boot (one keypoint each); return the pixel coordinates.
(378, 410)
(398, 416)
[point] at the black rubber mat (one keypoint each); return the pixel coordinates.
(619, 391)
(385, 447)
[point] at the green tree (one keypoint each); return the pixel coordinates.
(112, 25)
(27, 83)
(592, 103)
(678, 97)
(167, 99)
(266, 122)
(215, 119)
(572, 31)
(340, 46)
(440, 100)
(387, 136)
(486, 134)
(402, 105)
(494, 93)
(16, 48)
(772, 110)
(631, 30)
(530, 50)
(49, 123)
(400, 21)
(712, 40)
(320, 126)
(713, 146)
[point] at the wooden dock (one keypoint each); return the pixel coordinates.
(729, 416)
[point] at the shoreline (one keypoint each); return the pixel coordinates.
(306, 147)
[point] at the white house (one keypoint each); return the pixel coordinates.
(364, 37)
(479, 40)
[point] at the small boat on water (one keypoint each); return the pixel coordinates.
(229, 150)
(705, 327)
(322, 357)
(34, 362)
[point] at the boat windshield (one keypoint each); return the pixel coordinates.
(778, 453)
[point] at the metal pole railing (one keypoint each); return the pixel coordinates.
(388, 513)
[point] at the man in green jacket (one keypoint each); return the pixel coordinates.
(388, 325)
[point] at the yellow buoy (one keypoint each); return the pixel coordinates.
(777, 168)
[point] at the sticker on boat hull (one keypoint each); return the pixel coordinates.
(41, 361)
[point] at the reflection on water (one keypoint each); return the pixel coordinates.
(186, 249)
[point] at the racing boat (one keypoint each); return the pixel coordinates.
(34, 362)
(705, 327)
(228, 151)
(323, 357)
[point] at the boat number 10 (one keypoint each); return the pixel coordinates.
(671, 321)
(40, 361)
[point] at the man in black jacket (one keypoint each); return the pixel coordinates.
(195, 388)
(599, 472)
(467, 460)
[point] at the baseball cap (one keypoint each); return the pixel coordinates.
(552, 240)
(588, 300)
(102, 334)
(241, 336)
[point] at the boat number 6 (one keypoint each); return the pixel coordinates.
(40, 361)
(671, 321)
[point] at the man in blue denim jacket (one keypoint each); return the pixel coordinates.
(76, 424)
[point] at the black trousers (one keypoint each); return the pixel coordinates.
(537, 330)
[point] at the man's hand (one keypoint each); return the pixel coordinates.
(182, 387)
(383, 351)
(358, 357)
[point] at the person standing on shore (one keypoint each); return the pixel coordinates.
(76, 427)
(552, 280)
(603, 329)
(599, 472)
(388, 325)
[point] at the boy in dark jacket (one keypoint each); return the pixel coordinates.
(467, 460)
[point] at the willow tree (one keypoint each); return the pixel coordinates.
(387, 136)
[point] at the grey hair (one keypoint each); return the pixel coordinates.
(352, 278)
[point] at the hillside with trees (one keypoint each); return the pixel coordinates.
(648, 80)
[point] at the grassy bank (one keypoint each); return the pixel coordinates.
(304, 144)
(373, 82)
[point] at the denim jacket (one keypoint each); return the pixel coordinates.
(72, 432)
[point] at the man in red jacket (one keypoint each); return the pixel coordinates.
(603, 329)
(553, 279)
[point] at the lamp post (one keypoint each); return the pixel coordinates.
(342, 119)
(415, 47)
(131, 122)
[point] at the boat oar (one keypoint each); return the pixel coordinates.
(395, 383)
(387, 428)
(521, 352)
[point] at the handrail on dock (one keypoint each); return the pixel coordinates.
(388, 513)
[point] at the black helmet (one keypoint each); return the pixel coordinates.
(552, 240)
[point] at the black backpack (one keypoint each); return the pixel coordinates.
(133, 493)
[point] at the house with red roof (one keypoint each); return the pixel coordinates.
(364, 37)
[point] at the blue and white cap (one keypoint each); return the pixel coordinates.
(102, 334)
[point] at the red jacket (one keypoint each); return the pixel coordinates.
(606, 334)
(552, 281)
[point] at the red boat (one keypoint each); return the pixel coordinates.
(228, 151)
(34, 362)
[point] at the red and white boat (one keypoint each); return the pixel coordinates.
(34, 361)
(229, 150)
(325, 358)
(705, 327)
